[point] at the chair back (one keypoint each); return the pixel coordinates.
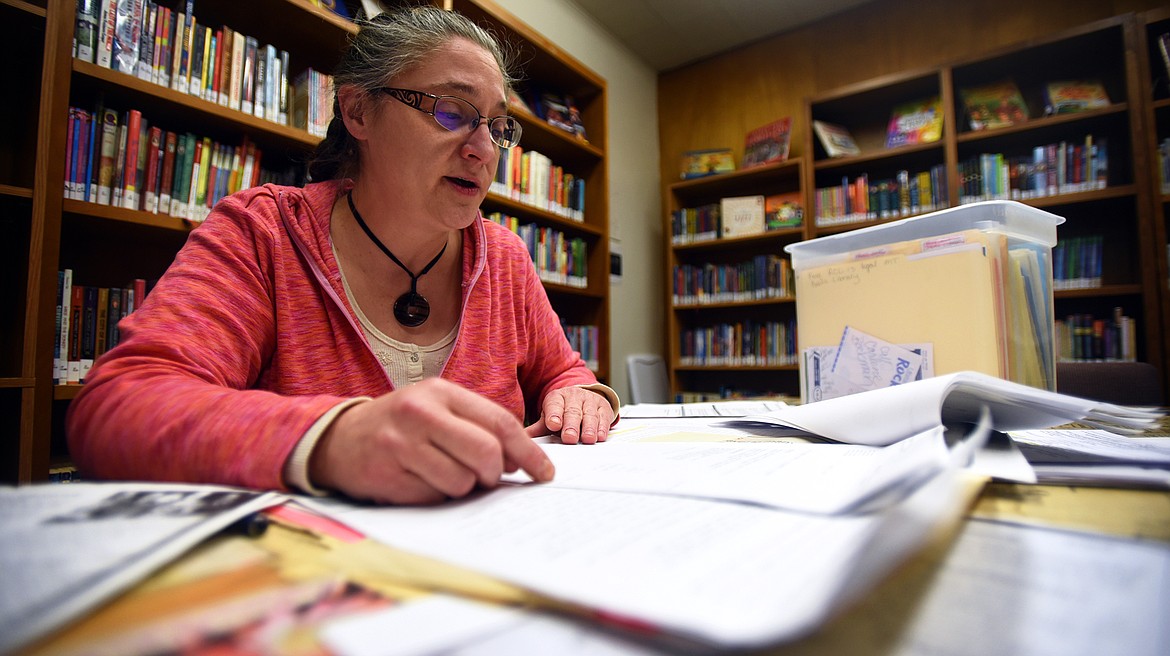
(1124, 383)
(648, 379)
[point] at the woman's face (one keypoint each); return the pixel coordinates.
(424, 170)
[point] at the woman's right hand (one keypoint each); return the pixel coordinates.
(424, 443)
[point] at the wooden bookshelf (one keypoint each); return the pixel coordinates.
(1130, 212)
(107, 246)
(1155, 77)
(709, 376)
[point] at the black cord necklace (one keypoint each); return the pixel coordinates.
(411, 309)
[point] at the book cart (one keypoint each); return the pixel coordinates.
(109, 246)
(1115, 204)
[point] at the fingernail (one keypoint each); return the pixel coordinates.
(547, 471)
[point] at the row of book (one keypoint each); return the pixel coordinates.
(1076, 262)
(762, 277)
(729, 393)
(740, 344)
(1049, 170)
(737, 216)
(585, 341)
(1084, 337)
(120, 159)
(87, 323)
(531, 178)
(559, 259)
(171, 48)
(860, 199)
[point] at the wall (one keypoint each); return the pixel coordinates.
(636, 303)
(714, 103)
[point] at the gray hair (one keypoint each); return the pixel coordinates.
(385, 46)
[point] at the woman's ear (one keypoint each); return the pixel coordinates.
(355, 111)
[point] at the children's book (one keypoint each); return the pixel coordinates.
(783, 211)
(767, 144)
(994, 105)
(1066, 97)
(741, 216)
(836, 139)
(916, 122)
(701, 163)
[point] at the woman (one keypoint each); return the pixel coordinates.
(370, 334)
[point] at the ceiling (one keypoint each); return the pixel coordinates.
(667, 34)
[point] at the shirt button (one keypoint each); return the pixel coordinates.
(414, 357)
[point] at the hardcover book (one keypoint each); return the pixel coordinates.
(994, 106)
(701, 163)
(916, 122)
(741, 216)
(767, 144)
(783, 211)
(835, 139)
(1071, 96)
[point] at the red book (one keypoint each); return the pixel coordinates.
(150, 189)
(130, 164)
(76, 311)
(217, 77)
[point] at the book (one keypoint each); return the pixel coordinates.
(741, 216)
(1164, 48)
(995, 105)
(767, 144)
(915, 122)
(701, 163)
(1066, 97)
(835, 139)
(783, 211)
(86, 31)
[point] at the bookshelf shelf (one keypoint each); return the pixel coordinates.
(28, 7)
(1100, 292)
(108, 246)
(184, 108)
(698, 307)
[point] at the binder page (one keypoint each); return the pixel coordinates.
(816, 478)
(885, 416)
(724, 573)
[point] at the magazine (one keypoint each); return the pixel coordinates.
(836, 140)
(701, 163)
(915, 122)
(994, 105)
(1071, 96)
(767, 144)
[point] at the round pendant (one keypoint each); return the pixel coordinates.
(411, 309)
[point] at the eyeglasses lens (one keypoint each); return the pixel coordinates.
(454, 114)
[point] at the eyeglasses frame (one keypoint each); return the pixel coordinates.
(413, 98)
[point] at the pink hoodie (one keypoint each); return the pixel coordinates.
(249, 338)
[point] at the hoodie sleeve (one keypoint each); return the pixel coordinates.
(172, 401)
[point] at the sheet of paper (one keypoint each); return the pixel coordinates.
(1092, 446)
(884, 416)
(428, 625)
(724, 573)
(703, 429)
(864, 362)
(1007, 589)
(816, 478)
(711, 409)
(68, 548)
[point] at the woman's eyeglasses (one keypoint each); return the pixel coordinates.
(453, 113)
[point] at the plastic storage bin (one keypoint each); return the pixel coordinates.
(963, 289)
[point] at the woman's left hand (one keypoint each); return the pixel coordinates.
(576, 414)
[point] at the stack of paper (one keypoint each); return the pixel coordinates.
(68, 548)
